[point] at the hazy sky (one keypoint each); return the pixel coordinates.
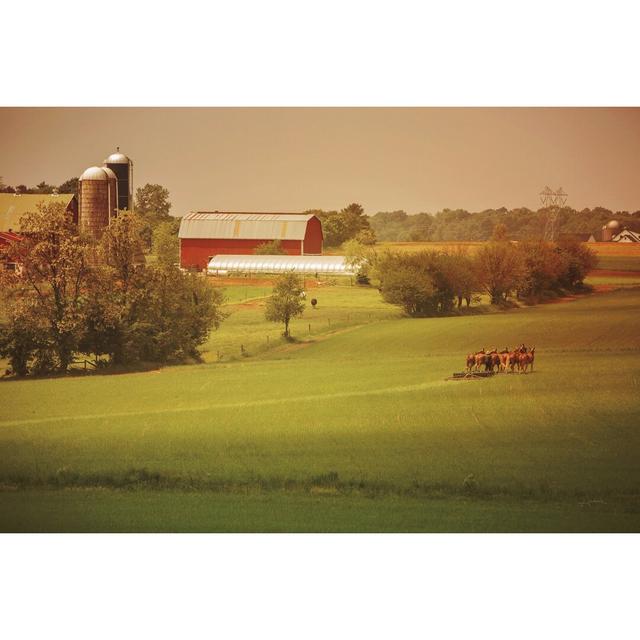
(295, 159)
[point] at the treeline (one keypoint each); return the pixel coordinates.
(68, 186)
(429, 283)
(462, 225)
(99, 301)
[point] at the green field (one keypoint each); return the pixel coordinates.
(353, 429)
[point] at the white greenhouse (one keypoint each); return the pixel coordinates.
(310, 265)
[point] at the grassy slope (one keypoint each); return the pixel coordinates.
(172, 511)
(370, 405)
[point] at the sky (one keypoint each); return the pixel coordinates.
(293, 159)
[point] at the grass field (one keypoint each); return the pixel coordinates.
(354, 429)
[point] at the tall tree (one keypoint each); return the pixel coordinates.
(166, 245)
(153, 199)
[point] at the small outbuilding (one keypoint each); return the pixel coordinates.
(205, 234)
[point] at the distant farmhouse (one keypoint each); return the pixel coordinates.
(205, 234)
(613, 231)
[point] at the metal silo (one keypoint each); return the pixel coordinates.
(93, 194)
(113, 192)
(123, 168)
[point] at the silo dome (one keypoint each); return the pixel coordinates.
(117, 158)
(94, 173)
(123, 168)
(613, 224)
(110, 174)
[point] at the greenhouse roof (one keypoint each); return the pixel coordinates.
(326, 265)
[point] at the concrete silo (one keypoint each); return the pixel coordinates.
(93, 205)
(113, 192)
(123, 168)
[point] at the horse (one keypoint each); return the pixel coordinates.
(481, 359)
(513, 360)
(493, 361)
(526, 359)
(471, 361)
(504, 360)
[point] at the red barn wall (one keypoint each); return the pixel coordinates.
(196, 252)
(313, 237)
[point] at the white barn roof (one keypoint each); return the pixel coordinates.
(626, 235)
(325, 265)
(246, 226)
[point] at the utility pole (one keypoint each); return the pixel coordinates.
(553, 201)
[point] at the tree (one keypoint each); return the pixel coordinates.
(69, 186)
(286, 301)
(334, 229)
(354, 220)
(153, 199)
(544, 266)
(43, 187)
(166, 245)
(361, 258)
(121, 246)
(48, 297)
(580, 259)
(499, 232)
(412, 288)
(273, 248)
(500, 270)
(366, 236)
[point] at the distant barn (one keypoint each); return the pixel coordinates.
(206, 234)
(13, 206)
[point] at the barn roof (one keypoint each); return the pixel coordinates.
(245, 225)
(337, 265)
(13, 206)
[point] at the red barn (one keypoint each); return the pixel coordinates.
(206, 234)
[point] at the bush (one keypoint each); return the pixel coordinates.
(273, 248)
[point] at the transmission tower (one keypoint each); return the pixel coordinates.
(553, 201)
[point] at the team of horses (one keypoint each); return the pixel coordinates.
(506, 361)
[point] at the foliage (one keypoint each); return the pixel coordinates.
(426, 282)
(152, 205)
(48, 296)
(153, 198)
(500, 269)
(73, 298)
(166, 245)
(286, 301)
(272, 248)
(69, 186)
(518, 224)
(412, 288)
(338, 227)
(579, 260)
(121, 245)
